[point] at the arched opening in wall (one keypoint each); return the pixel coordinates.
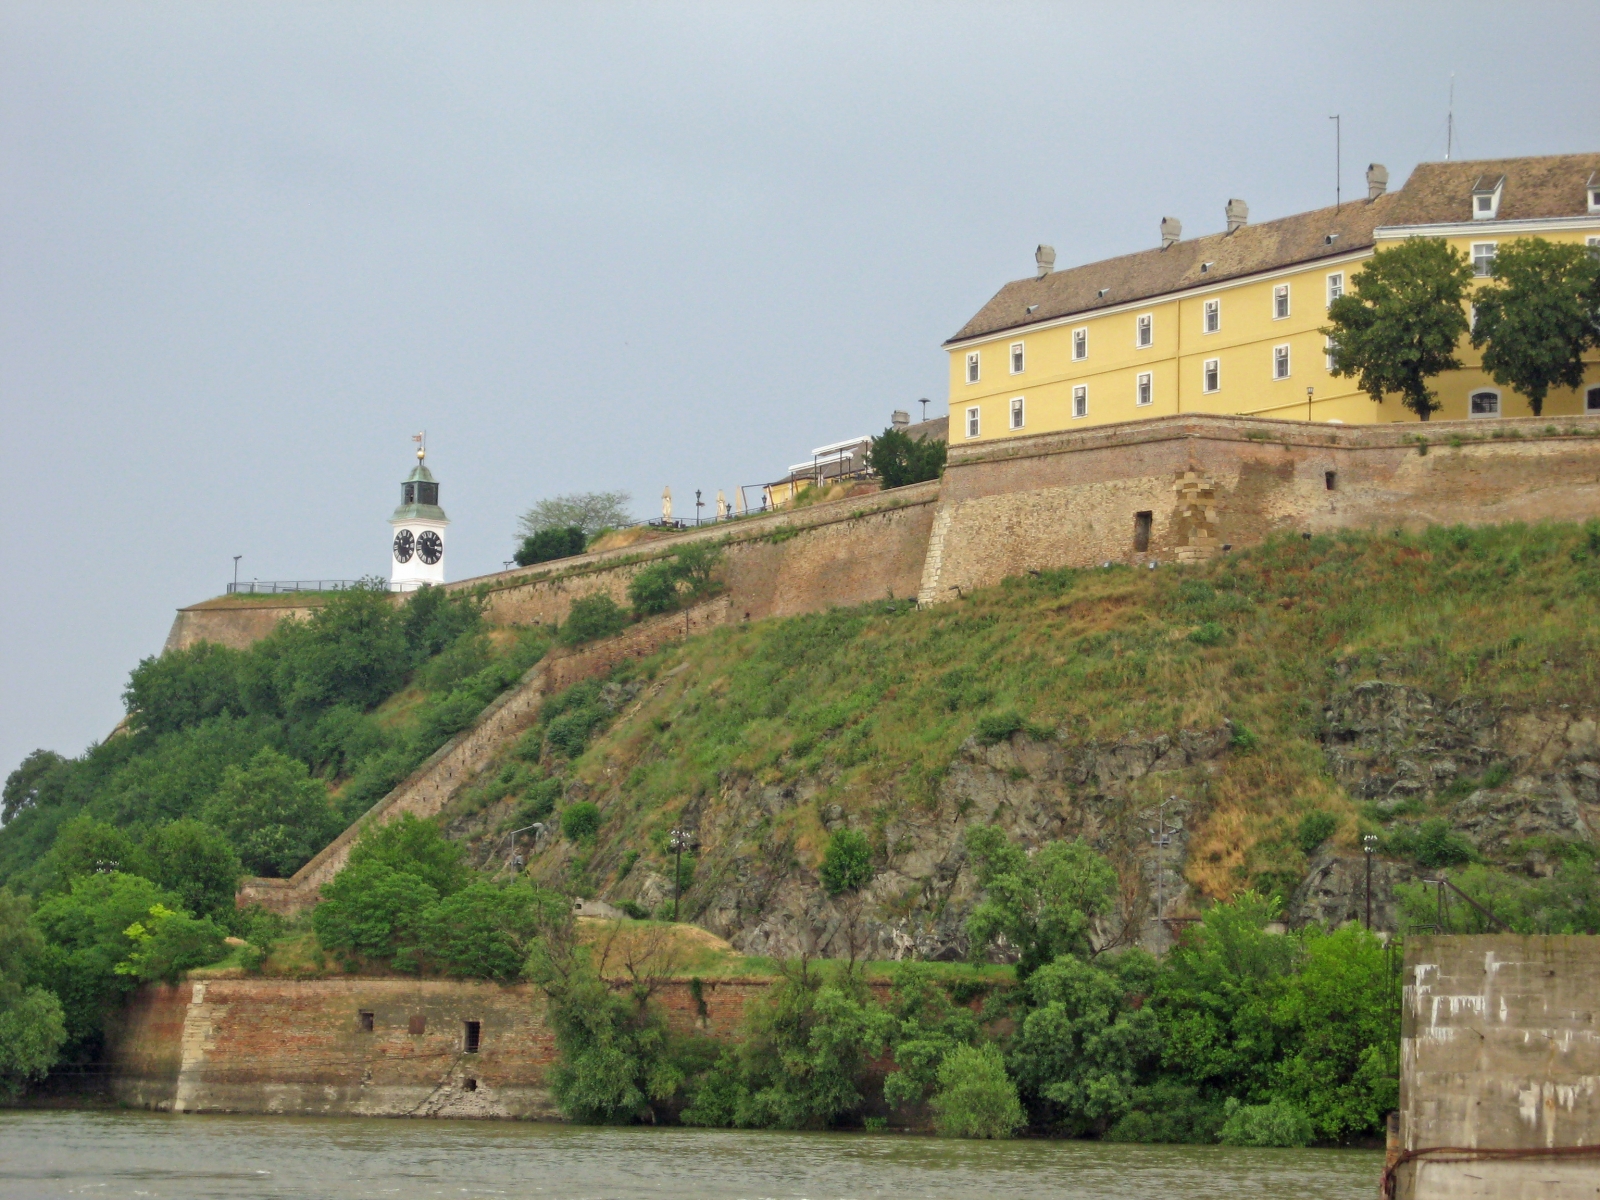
(1485, 403)
(1141, 531)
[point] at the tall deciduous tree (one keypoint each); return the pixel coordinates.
(1043, 904)
(1401, 322)
(899, 459)
(589, 511)
(1539, 317)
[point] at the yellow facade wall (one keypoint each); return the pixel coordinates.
(1243, 346)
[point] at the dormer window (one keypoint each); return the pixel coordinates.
(1486, 197)
(1594, 193)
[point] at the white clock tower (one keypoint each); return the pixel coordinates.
(419, 524)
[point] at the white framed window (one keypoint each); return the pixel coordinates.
(1280, 362)
(1080, 345)
(1080, 400)
(1335, 286)
(1211, 320)
(1486, 198)
(1594, 246)
(1016, 358)
(1144, 330)
(1211, 375)
(972, 366)
(1144, 389)
(1280, 302)
(1594, 194)
(1483, 258)
(1591, 400)
(972, 421)
(1484, 403)
(1328, 347)
(1016, 412)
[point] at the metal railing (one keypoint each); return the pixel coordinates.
(274, 587)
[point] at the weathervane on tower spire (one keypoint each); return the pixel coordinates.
(421, 439)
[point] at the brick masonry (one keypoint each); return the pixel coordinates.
(299, 1047)
(1074, 499)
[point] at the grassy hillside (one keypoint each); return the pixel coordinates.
(868, 708)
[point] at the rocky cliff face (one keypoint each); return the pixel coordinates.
(1514, 783)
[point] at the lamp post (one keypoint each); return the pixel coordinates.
(1309, 390)
(1369, 846)
(681, 839)
(236, 559)
(698, 505)
(924, 403)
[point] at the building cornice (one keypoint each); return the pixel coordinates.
(1088, 314)
(1482, 228)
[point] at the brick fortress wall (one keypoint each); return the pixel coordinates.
(299, 1047)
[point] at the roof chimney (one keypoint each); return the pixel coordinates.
(1171, 231)
(1238, 214)
(1045, 256)
(1377, 180)
(899, 418)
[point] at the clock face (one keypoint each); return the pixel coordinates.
(430, 549)
(402, 546)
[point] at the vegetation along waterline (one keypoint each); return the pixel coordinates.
(832, 768)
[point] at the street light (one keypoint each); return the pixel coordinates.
(682, 839)
(1369, 846)
(236, 559)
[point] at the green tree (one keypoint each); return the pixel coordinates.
(32, 1025)
(86, 846)
(167, 942)
(370, 910)
(976, 1098)
(1539, 317)
(433, 618)
(547, 545)
(847, 862)
(416, 847)
(181, 688)
(1402, 320)
(275, 814)
(589, 511)
(352, 650)
(654, 589)
(1340, 1015)
(1041, 904)
(197, 863)
(1087, 1041)
(1219, 996)
(486, 931)
(925, 1027)
(580, 821)
(801, 1057)
(22, 787)
(593, 617)
(897, 458)
(85, 937)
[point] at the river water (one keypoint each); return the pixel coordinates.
(135, 1154)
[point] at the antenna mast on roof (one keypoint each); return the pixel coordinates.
(1338, 162)
(1450, 120)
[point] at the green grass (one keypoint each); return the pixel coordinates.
(872, 703)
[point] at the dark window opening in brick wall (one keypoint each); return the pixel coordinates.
(419, 1024)
(472, 1035)
(366, 1022)
(1141, 531)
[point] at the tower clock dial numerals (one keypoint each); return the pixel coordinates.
(403, 545)
(430, 547)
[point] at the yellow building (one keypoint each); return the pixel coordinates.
(1228, 323)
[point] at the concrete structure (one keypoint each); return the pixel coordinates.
(1500, 1069)
(1229, 323)
(417, 540)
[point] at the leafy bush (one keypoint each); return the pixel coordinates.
(486, 931)
(1275, 1123)
(1041, 904)
(925, 1027)
(197, 863)
(416, 847)
(1169, 1110)
(593, 617)
(1432, 844)
(1209, 633)
(654, 589)
(976, 1098)
(897, 458)
(994, 728)
(1314, 829)
(548, 545)
(847, 862)
(371, 910)
(580, 821)
(167, 943)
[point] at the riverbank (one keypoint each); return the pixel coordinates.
(128, 1154)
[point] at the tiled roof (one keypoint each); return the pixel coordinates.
(1436, 192)
(1551, 186)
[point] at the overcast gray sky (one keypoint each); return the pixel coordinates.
(246, 250)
